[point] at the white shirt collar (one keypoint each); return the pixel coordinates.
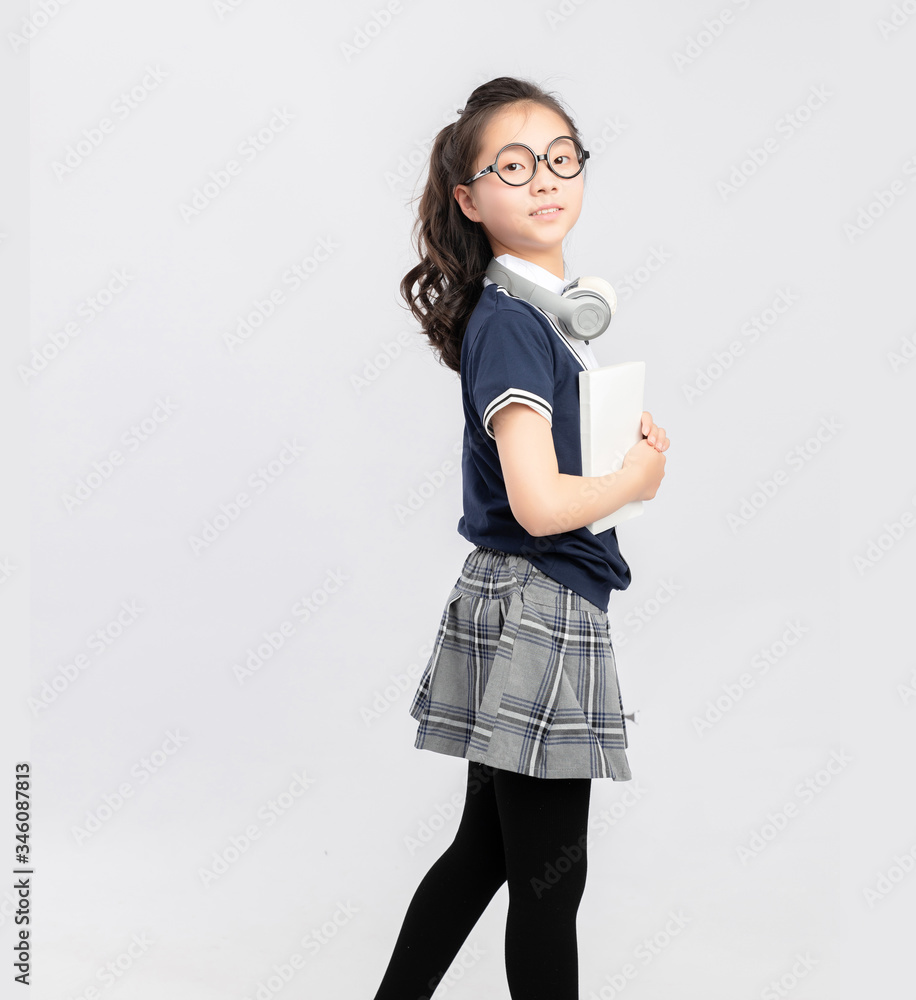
(534, 272)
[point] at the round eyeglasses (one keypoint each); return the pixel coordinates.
(516, 163)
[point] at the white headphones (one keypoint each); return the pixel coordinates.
(583, 311)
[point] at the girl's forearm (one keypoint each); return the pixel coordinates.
(579, 500)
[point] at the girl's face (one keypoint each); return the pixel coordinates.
(506, 212)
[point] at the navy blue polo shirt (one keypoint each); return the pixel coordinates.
(513, 352)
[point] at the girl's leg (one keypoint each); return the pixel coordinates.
(543, 823)
(452, 896)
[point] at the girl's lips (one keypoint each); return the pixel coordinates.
(546, 215)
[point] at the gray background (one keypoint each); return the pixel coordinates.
(833, 877)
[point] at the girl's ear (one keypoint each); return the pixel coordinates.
(466, 201)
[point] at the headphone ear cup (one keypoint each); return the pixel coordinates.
(594, 301)
(604, 288)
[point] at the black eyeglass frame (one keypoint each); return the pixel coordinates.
(537, 160)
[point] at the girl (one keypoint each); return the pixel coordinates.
(522, 681)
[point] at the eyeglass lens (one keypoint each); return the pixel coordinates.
(516, 164)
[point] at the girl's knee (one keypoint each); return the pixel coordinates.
(558, 883)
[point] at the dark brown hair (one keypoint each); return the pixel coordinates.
(454, 251)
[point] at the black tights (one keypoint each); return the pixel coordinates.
(531, 832)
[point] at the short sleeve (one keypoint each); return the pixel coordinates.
(512, 363)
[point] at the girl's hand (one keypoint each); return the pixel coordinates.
(653, 433)
(644, 466)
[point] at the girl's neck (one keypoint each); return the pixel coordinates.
(551, 260)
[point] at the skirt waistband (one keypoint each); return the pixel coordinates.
(494, 574)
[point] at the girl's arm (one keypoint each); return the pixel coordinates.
(545, 501)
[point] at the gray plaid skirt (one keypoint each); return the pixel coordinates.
(522, 676)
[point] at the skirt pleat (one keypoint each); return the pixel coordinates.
(522, 676)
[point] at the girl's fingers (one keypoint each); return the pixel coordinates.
(658, 438)
(654, 434)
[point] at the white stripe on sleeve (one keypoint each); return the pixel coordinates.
(537, 403)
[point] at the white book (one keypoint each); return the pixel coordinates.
(610, 410)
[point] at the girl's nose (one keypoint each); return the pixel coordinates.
(544, 177)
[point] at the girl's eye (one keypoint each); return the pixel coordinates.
(509, 167)
(557, 159)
